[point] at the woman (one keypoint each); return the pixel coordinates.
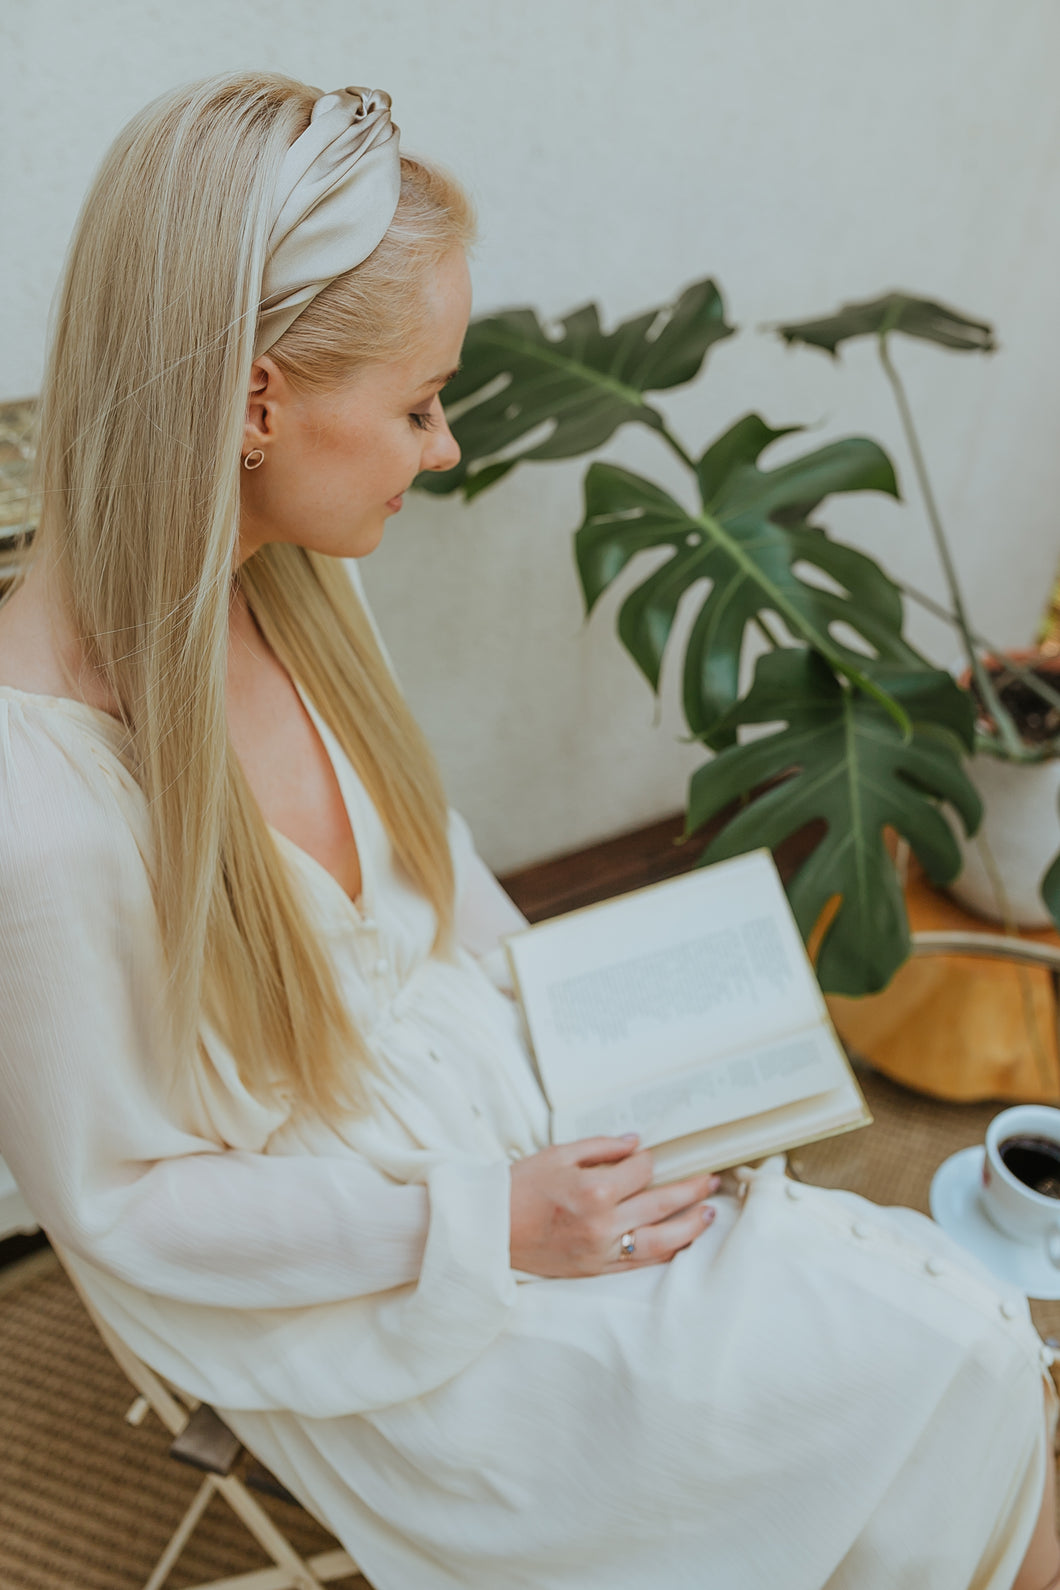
(259, 1078)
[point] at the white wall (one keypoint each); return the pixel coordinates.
(618, 149)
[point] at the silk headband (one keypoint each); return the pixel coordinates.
(335, 197)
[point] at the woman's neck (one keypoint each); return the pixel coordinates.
(41, 652)
(39, 648)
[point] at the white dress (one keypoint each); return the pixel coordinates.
(818, 1393)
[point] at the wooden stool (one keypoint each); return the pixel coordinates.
(959, 1021)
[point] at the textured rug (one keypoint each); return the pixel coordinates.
(87, 1502)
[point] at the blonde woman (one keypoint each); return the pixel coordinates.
(258, 1077)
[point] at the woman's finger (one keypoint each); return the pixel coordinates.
(617, 1183)
(600, 1150)
(647, 1208)
(656, 1244)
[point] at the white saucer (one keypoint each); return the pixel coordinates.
(956, 1208)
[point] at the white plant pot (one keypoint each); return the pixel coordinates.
(1021, 827)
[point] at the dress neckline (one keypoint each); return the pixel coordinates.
(345, 776)
(353, 796)
(69, 703)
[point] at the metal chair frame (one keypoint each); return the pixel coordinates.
(992, 946)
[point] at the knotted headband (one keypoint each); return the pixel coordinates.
(336, 195)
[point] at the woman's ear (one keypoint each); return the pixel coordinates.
(265, 396)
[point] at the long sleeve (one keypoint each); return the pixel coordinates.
(84, 1072)
(485, 915)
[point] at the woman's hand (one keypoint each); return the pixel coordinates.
(571, 1205)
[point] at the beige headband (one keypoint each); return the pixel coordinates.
(336, 195)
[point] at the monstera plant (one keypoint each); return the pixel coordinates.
(860, 733)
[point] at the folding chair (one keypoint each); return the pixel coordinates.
(202, 1439)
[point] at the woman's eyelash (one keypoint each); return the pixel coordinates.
(422, 422)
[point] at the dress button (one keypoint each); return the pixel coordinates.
(1009, 1310)
(859, 1229)
(382, 965)
(934, 1267)
(368, 922)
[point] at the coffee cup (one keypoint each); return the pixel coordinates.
(1022, 1155)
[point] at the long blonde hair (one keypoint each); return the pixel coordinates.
(141, 426)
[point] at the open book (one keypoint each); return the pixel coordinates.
(688, 1012)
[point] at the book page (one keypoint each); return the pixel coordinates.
(667, 981)
(722, 1091)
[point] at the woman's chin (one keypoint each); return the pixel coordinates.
(366, 543)
(357, 544)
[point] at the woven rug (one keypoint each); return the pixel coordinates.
(87, 1502)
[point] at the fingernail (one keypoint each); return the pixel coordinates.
(630, 1137)
(714, 1183)
(708, 1214)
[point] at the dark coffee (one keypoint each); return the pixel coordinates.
(1035, 1161)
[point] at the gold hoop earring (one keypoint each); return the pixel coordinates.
(254, 459)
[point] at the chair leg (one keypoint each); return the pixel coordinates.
(181, 1535)
(267, 1535)
(328, 1565)
(291, 1572)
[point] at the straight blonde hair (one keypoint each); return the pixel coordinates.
(142, 421)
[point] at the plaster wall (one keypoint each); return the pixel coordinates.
(616, 150)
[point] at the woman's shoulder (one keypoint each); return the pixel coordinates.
(65, 794)
(39, 728)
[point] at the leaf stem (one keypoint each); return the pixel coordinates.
(1020, 671)
(990, 698)
(686, 458)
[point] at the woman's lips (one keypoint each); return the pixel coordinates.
(395, 502)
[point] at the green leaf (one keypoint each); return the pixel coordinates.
(581, 384)
(896, 311)
(1050, 889)
(841, 760)
(487, 476)
(931, 696)
(743, 552)
(738, 486)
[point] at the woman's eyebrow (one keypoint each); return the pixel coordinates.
(440, 380)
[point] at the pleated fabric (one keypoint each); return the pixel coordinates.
(818, 1394)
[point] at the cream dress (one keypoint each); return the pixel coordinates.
(818, 1393)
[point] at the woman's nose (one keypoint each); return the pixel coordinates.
(443, 449)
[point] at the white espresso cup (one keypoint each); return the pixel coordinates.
(1026, 1216)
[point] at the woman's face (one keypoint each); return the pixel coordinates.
(336, 463)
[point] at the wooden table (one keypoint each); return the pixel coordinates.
(959, 1027)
